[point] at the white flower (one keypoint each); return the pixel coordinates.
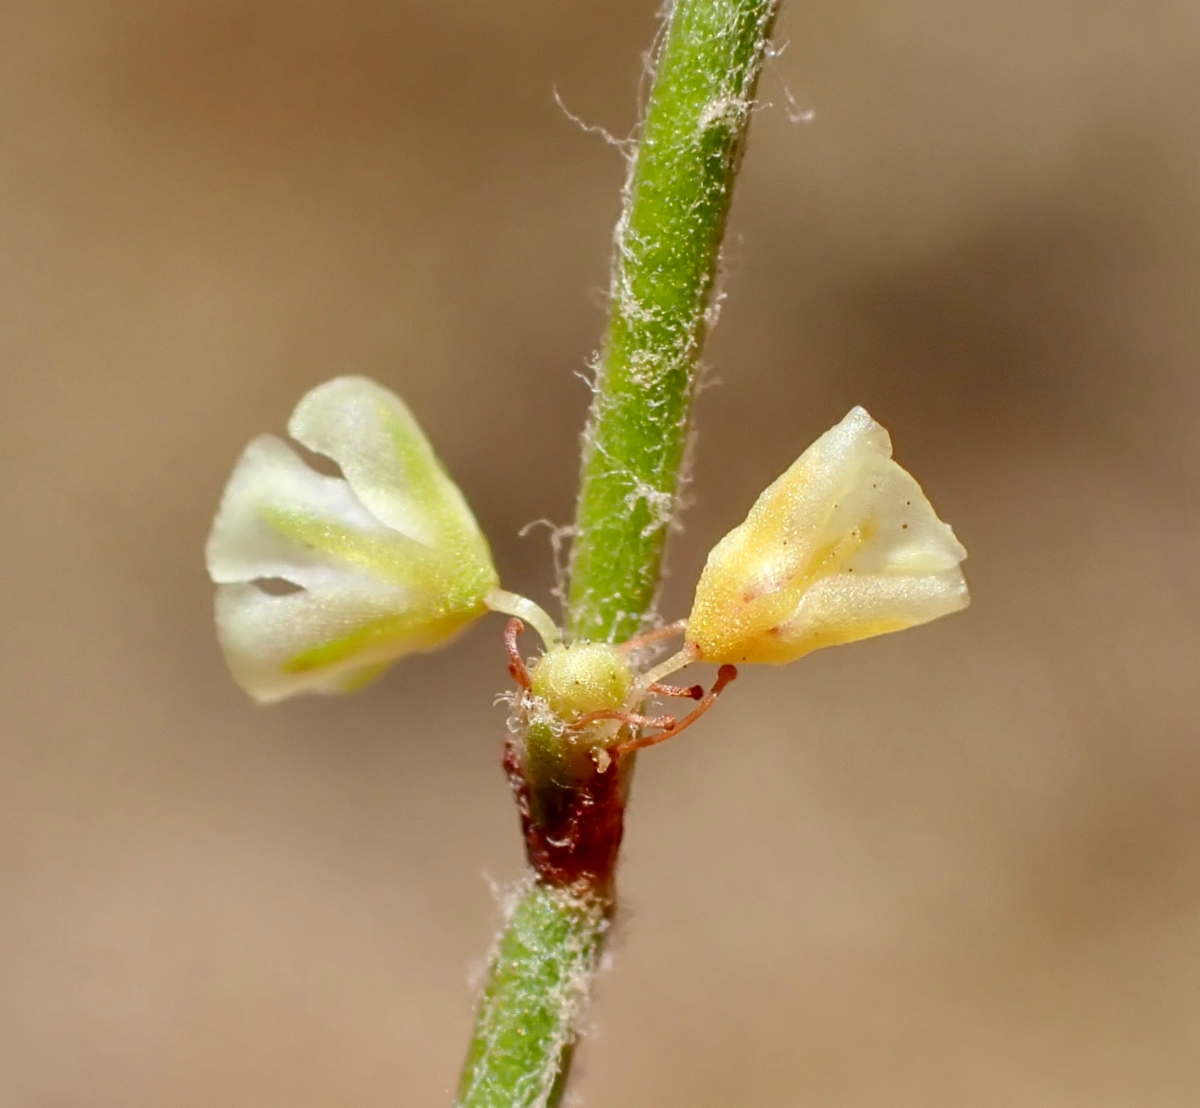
(843, 546)
(387, 561)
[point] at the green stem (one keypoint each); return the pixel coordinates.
(667, 245)
(540, 974)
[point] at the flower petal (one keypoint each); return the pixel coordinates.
(270, 485)
(331, 639)
(386, 458)
(389, 560)
(847, 607)
(843, 546)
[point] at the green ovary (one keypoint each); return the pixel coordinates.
(581, 678)
(572, 682)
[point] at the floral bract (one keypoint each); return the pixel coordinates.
(385, 561)
(843, 546)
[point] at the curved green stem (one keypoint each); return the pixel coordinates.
(665, 261)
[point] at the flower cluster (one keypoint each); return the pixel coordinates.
(388, 559)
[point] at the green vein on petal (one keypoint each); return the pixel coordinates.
(392, 557)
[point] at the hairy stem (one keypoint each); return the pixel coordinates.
(664, 265)
(541, 970)
(667, 244)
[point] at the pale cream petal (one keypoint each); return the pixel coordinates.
(843, 546)
(389, 559)
(245, 546)
(317, 641)
(900, 531)
(381, 449)
(803, 498)
(847, 607)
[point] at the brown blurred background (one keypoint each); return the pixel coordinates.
(958, 867)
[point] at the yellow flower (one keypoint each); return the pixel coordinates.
(383, 562)
(843, 546)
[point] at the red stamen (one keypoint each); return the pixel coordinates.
(516, 664)
(691, 692)
(648, 638)
(631, 718)
(725, 675)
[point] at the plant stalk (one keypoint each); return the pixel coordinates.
(666, 250)
(541, 968)
(667, 245)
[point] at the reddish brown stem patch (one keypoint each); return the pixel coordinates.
(572, 832)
